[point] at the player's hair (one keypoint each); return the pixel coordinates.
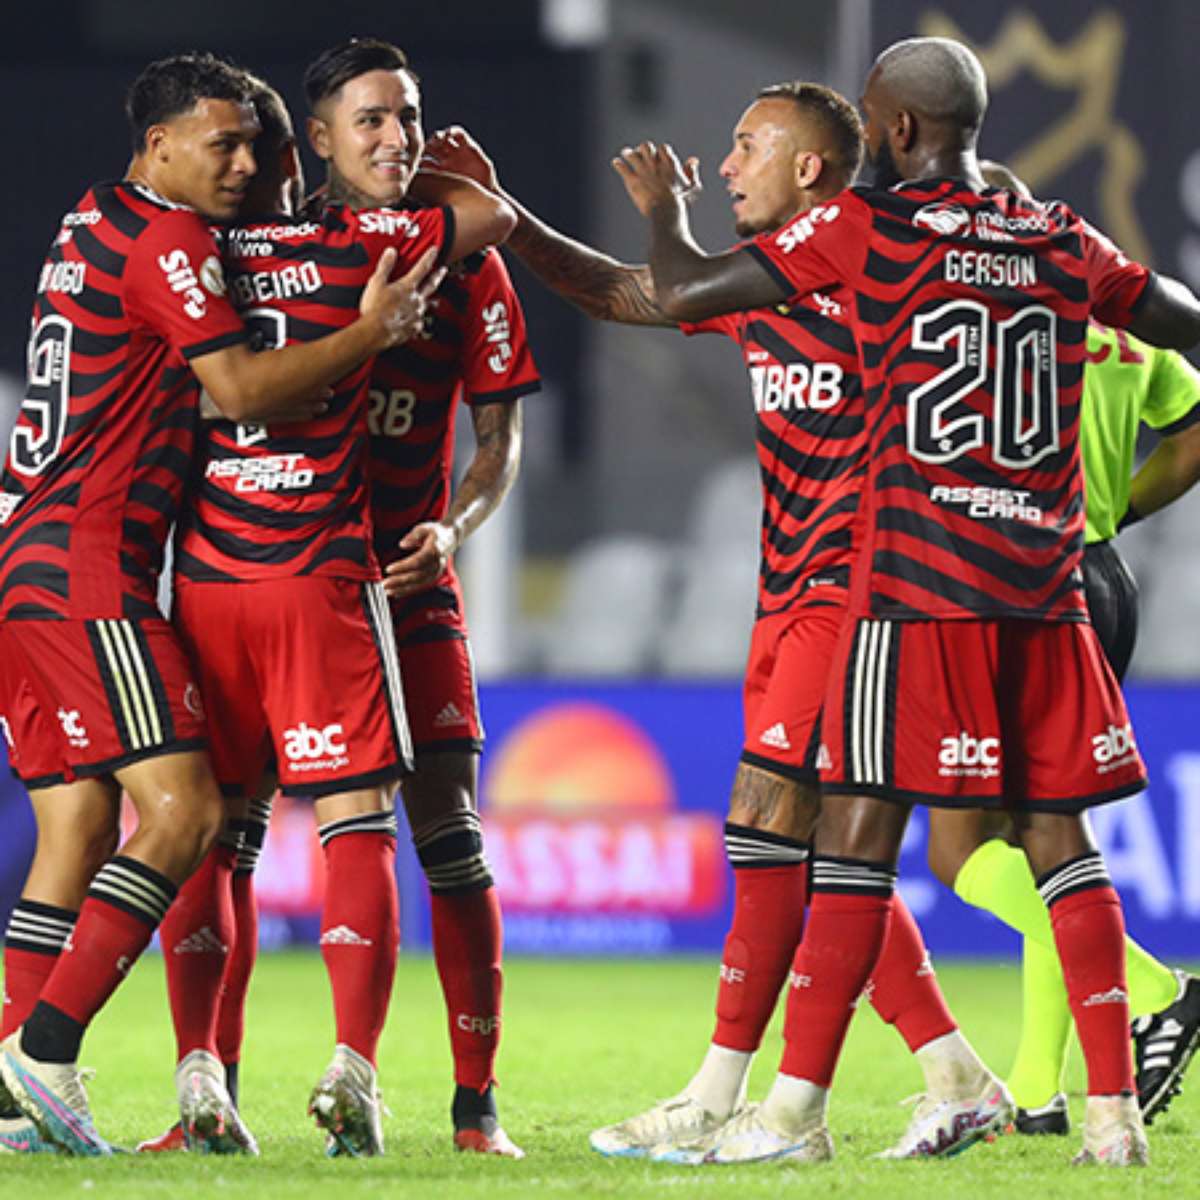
(939, 78)
(838, 118)
(170, 87)
(273, 116)
(332, 69)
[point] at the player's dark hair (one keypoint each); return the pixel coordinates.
(331, 70)
(170, 87)
(838, 118)
(273, 116)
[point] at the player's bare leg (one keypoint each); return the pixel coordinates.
(360, 936)
(440, 800)
(179, 811)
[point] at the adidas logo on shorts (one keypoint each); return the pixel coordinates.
(203, 941)
(343, 935)
(776, 736)
(450, 715)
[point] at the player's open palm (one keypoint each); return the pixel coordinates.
(453, 149)
(653, 175)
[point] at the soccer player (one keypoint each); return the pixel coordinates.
(796, 146)
(367, 124)
(1125, 383)
(302, 668)
(968, 666)
(96, 694)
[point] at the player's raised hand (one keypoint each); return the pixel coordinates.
(453, 149)
(428, 548)
(653, 175)
(401, 304)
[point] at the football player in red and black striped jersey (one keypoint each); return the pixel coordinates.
(969, 674)
(794, 147)
(131, 317)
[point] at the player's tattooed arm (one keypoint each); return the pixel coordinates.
(429, 547)
(689, 284)
(594, 282)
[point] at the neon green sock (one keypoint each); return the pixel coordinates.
(997, 878)
(1037, 1068)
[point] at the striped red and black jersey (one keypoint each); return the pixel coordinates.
(811, 441)
(131, 290)
(280, 500)
(970, 311)
(474, 351)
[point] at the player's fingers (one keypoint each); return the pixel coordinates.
(420, 269)
(431, 283)
(383, 268)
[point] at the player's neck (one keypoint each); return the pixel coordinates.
(939, 162)
(339, 191)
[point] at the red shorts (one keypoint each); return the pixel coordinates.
(971, 714)
(85, 698)
(303, 671)
(440, 695)
(786, 680)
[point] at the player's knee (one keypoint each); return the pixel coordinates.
(451, 853)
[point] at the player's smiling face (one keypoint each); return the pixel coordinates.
(761, 169)
(370, 134)
(204, 158)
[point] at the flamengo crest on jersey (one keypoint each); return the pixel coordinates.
(284, 500)
(98, 460)
(808, 404)
(970, 311)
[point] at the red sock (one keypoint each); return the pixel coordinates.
(1089, 931)
(467, 947)
(25, 974)
(360, 934)
(125, 903)
(768, 922)
(196, 935)
(903, 988)
(231, 1017)
(841, 945)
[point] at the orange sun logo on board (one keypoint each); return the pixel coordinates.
(581, 814)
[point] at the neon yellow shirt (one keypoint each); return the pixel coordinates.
(1126, 382)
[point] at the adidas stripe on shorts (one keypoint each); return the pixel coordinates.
(84, 698)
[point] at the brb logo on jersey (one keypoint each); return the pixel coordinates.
(965, 755)
(1114, 748)
(497, 331)
(802, 228)
(308, 748)
(797, 386)
(948, 220)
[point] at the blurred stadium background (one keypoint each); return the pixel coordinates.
(611, 599)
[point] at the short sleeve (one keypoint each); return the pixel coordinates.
(175, 285)
(497, 362)
(1173, 397)
(817, 249)
(1115, 282)
(730, 324)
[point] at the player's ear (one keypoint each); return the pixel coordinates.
(289, 160)
(808, 168)
(904, 129)
(318, 137)
(157, 138)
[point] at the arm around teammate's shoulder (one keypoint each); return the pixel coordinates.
(481, 218)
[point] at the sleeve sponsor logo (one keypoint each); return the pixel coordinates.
(70, 278)
(803, 227)
(8, 505)
(391, 224)
(182, 280)
(498, 333)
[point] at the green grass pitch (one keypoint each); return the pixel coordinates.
(585, 1043)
